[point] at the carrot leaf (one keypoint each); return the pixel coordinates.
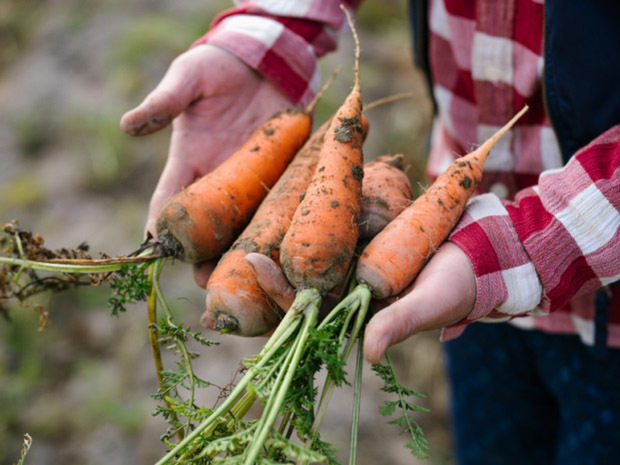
(417, 443)
(129, 285)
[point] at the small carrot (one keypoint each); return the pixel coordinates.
(319, 245)
(201, 222)
(386, 191)
(390, 262)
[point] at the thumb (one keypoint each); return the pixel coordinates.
(272, 280)
(443, 294)
(175, 92)
(386, 328)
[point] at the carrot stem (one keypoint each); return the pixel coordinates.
(358, 301)
(285, 329)
(187, 360)
(154, 338)
(63, 267)
(357, 400)
(284, 379)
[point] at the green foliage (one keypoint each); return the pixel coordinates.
(282, 377)
(417, 443)
(177, 387)
(129, 285)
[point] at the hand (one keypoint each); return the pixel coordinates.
(443, 294)
(272, 280)
(216, 101)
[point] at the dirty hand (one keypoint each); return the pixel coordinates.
(443, 294)
(271, 279)
(214, 102)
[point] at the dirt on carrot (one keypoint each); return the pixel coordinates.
(202, 221)
(390, 262)
(386, 191)
(235, 302)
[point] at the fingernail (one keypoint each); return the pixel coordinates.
(382, 345)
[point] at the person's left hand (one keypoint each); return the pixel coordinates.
(443, 294)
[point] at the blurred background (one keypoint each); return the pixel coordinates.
(68, 70)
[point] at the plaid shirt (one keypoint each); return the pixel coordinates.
(545, 237)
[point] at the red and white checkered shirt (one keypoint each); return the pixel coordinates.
(545, 236)
(282, 40)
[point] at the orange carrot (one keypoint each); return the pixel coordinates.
(319, 245)
(386, 191)
(201, 222)
(390, 262)
(235, 301)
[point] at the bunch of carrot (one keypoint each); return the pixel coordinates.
(310, 216)
(309, 203)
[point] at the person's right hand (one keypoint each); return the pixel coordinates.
(216, 101)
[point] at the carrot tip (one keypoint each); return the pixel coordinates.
(357, 46)
(168, 245)
(226, 323)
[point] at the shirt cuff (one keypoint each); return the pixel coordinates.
(276, 52)
(507, 284)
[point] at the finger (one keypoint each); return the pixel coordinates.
(386, 328)
(443, 294)
(406, 317)
(202, 271)
(177, 174)
(272, 280)
(207, 321)
(175, 92)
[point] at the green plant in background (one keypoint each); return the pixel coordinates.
(152, 38)
(18, 21)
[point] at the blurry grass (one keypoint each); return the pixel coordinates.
(18, 21)
(151, 37)
(34, 129)
(98, 138)
(20, 193)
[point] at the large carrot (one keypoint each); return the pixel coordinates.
(386, 191)
(390, 262)
(319, 245)
(201, 222)
(235, 301)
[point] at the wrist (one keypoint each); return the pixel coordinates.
(506, 281)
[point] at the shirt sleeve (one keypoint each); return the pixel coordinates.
(554, 241)
(281, 40)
